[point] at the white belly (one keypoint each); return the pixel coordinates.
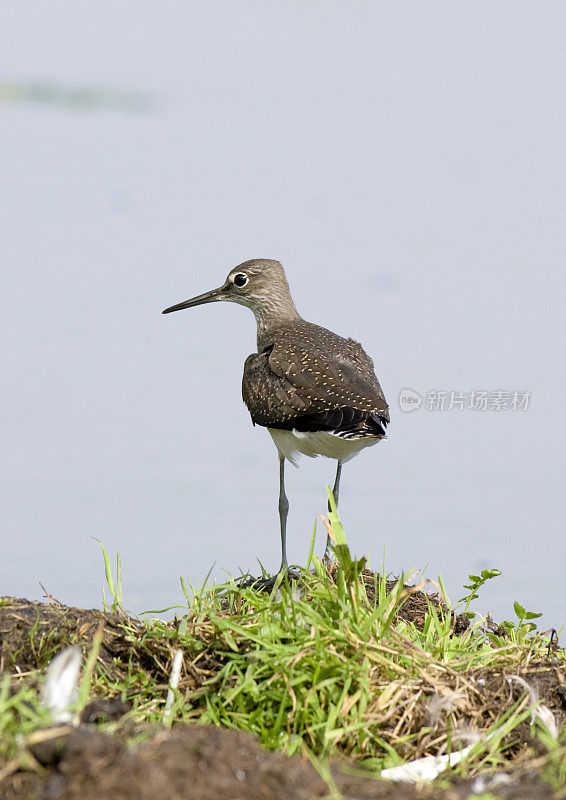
(322, 443)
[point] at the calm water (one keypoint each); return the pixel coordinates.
(405, 165)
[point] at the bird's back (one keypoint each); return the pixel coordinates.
(306, 374)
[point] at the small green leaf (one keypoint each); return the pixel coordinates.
(530, 626)
(532, 615)
(519, 610)
(487, 574)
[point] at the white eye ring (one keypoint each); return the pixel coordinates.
(240, 279)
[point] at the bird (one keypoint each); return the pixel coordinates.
(315, 391)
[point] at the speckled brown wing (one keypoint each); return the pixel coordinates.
(305, 375)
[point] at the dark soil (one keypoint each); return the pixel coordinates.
(31, 633)
(204, 763)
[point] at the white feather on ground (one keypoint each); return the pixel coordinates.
(60, 690)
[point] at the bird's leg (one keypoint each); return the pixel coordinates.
(328, 556)
(267, 584)
(283, 511)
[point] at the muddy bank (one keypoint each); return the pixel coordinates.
(203, 763)
(194, 761)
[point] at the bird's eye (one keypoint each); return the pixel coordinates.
(240, 279)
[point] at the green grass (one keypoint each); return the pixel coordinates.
(325, 667)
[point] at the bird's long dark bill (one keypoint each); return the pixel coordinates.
(207, 297)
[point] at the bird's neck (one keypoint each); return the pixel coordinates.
(270, 316)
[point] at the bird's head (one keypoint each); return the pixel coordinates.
(259, 284)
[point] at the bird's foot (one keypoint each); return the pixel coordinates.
(268, 583)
